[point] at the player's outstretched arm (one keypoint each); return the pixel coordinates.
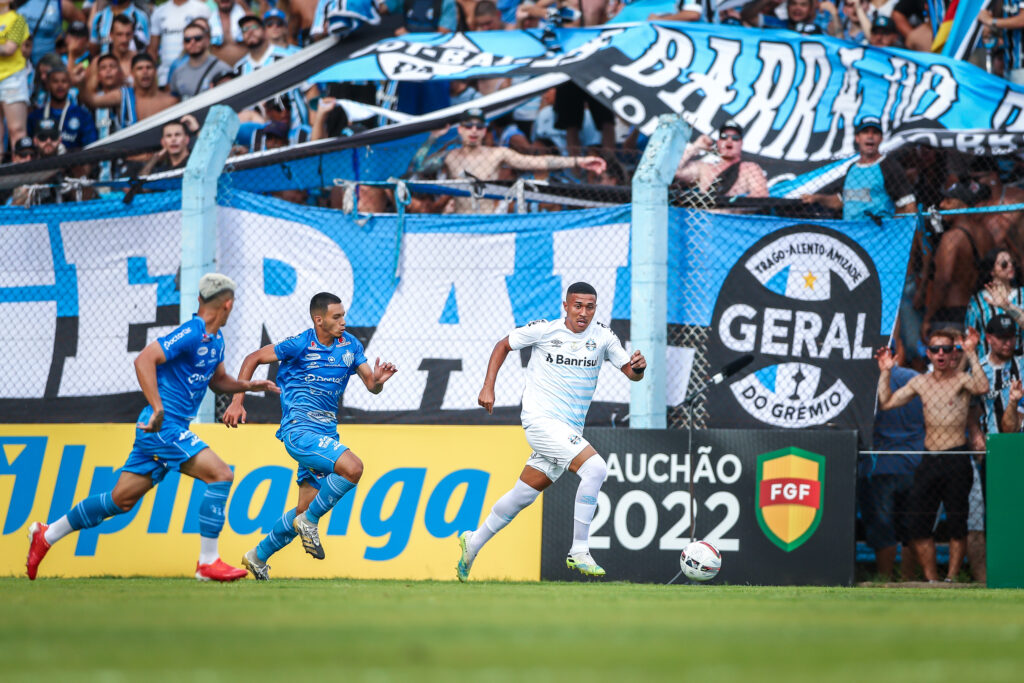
(235, 413)
(635, 368)
(498, 356)
(145, 370)
(223, 383)
(374, 379)
(887, 399)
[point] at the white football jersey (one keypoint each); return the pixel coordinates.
(563, 369)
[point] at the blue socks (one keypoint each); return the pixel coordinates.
(280, 536)
(93, 510)
(211, 509)
(333, 488)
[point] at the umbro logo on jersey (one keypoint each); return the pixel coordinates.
(332, 359)
(591, 345)
(574, 439)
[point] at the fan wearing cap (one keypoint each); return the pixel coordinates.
(476, 160)
(875, 186)
(173, 372)
(957, 261)
(263, 53)
(1001, 367)
(168, 30)
(729, 175)
(884, 33)
(74, 122)
(275, 22)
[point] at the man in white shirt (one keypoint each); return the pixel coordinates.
(561, 378)
(168, 28)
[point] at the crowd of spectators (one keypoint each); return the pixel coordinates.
(98, 66)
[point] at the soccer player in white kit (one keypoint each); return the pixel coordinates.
(561, 379)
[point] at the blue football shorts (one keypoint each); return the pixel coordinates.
(315, 453)
(157, 453)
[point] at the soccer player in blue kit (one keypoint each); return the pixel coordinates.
(174, 372)
(315, 367)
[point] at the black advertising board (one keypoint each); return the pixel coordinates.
(778, 504)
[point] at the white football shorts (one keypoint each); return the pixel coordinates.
(554, 445)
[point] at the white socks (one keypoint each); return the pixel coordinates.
(503, 512)
(592, 474)
(208, 550)
(58, 530)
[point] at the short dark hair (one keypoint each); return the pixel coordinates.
(196, 23)
(143, 57)
(320, 301)
(108, 55)
(124, 19)
(175, 122)
(580, 288)
(485, 8)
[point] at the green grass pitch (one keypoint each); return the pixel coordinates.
(169, 629)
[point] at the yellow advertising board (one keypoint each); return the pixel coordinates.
(421, 486)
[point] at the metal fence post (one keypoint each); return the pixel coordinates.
(199, 214)
(649, 267)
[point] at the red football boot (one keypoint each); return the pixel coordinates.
(218, 571)
(37, 548)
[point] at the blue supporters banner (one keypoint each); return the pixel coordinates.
(86, 286)
(798, 97)
(810, 302)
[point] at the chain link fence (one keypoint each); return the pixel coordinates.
(436, 266)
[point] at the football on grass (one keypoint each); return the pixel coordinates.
(700, 561)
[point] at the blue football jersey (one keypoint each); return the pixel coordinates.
(192, 357)
(312, 378)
